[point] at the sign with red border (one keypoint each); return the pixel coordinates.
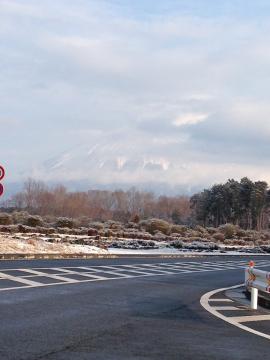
(2, 175)
(2, 172)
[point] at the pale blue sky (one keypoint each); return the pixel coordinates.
(181, 85)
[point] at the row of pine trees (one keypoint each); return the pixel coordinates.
(243, 203)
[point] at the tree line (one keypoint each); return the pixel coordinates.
(245, 203)
(99, 205)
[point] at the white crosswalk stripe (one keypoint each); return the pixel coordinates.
(35, 277)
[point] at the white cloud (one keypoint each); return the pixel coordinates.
(190, 119)
(87, 69)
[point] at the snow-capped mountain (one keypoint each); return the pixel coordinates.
(104, 163)
(118, 161)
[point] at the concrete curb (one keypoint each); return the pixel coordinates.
(25, 256)
(87, 256)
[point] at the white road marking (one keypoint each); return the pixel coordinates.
(220, 300)
(119, 271)
(82, 274)
(222, 308)
(152, 268)
(20, 280)
(241, 319)
(88, 268)
(205, 304)
(51, 276)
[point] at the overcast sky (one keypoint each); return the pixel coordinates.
(184, 84)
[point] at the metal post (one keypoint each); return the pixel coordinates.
(254, 298)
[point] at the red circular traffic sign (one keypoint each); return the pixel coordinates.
(1, 189)
(2, 172)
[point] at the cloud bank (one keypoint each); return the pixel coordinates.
(177, 93)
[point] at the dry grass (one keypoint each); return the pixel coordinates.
(34, 244)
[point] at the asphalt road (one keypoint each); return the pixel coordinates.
(144, 317)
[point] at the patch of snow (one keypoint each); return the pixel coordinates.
(37, 245)
(170, 251)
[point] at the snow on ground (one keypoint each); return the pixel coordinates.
(20, 243)
(171, 251)
(37, 245)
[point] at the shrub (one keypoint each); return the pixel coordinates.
(211, 230)
(135, 219)
(266, 236)
(154, 225)
(64, 230)
(132, 225)
(49, 219)
(64, 222)
(5, 219)
(45, 230)
(240, 232)
(219, 237)
(97, 225)
(178, 244)
(25, 229)
(34, 220)
(83, 221)
(92, 232)
(9, 228)
(200, 229)
(159, 236)
(20, 217)
(108, 233)
(114, 225)
(178, 229)
(228, 230)
(195, 239)
(201, 246)
(142, 224)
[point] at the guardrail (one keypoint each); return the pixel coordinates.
(256, 280)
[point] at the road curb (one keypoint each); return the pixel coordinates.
(88, 256)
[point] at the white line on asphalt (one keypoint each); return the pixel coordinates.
(221, 300)
(20, 280)
(82, 274)
(241, 319)
(135, 270)
(205, 304)
(151, 268)
(222, 308)
(51, 276)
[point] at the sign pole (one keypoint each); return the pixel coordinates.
(254, 298)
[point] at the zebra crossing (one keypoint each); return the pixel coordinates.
(21, 278)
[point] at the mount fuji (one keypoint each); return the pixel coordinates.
(116, 162)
